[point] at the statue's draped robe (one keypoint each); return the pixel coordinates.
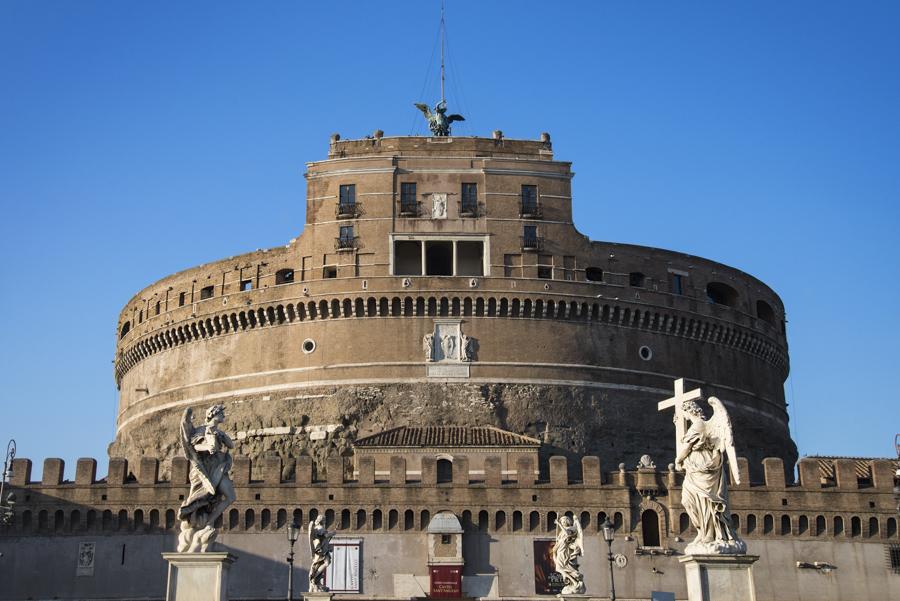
(216, 465)
(565, 555)
(705, 489)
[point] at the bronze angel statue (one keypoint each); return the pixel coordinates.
(569, 546)
(206, 448)
(438, 121)
(704, 450)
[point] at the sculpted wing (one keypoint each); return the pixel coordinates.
(720, 429)
(310, 536)
(579, 537)
(424, 108)
(187, 430)
(455, 117)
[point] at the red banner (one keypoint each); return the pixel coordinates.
(446, 582)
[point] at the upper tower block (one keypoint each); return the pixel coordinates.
(497, 146)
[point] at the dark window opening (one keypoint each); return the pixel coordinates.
(347, 200)
(438, 258)
(530, 240)
(529, 201)
(156, 310)
(444, 471)
(141, 316)
(593, 274)
(721, 294)
(894, 558)
(126, 327)
(182, 298)
(765, 312)
(329, 272)
(468, 204)
(345, 239)
(407, 257)
(650, 528)
(636, 279)
(677, 283)
(284, 276)
(206, 292)
(246, 285)
(470, 258)
(408, 203)
(445, 539)
(544, 272)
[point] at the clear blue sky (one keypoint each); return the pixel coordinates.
(137, 139)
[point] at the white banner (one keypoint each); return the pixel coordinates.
(342, 575)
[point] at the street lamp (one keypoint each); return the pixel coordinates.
(609, 533)
(293, 533)
(6, 511)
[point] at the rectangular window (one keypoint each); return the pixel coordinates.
(677, 283)
(469, 200)
(530, 238)
(470, 258)
(246, 285)
(545, 267)
(512, 266)
(329, 272)
(568, 268)
(438, 258)
(306, 266)
(408, 204)
(141, 316)
(346, 239)
(529, 200)
(182, 297)
(157, 307)
(347, 196)
(407, 257)
(284, 276)
(206, 292)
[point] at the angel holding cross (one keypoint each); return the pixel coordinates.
(702, 453)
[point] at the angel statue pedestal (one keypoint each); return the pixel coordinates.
(198, 576)
(196, 572)
(719, 577)
(715, 562)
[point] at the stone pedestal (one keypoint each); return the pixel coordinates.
(719, 577)
(317, 596)
(198, 576)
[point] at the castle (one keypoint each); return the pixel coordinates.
(441, 354)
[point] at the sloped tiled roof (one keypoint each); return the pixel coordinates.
(862, 466)
(447, 436)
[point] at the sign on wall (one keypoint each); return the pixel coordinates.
(86, 554)
(547, 581)
(342, 576)
(446, 582)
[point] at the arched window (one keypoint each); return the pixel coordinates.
(891, 528)
(424, 519)
(329, 518)
(249, 519)
(751, 523)
(803, 525)
(855, 526)
(409, 519)
(265, 519)
(768, 524)
(517, 521)
(534, 521)
(820, 525)
(500, 521)
(284, 276)
(376, 520)
(684, 522)
(551, 521)
(838, 525)
(650, 528)
(721, 294)
(280, 519)
(785, 525)
(444, 471)
(393, 519)
(873, 526)
(345, 519)
(765, 312)
(360, 519)
(593, 274)
(126, 327)
(234, 517)
(483, 520)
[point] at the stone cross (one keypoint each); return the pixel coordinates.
(676, 401)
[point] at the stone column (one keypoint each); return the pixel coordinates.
(719, 577)
(198, 576)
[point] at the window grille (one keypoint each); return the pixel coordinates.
(469, 199)
(408, 202)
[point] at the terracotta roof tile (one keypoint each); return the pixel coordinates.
(447, 436)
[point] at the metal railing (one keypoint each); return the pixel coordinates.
(468, 208)
(347, 210)
(532, 243)
(409, 208)
(342, 243)
(530, 210)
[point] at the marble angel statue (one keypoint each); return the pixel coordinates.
(320, 554)
(206, 448)
(704, 451)
(568, 548)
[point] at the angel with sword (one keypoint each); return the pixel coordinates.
(438, 119)
(206, 448)
(702, 455)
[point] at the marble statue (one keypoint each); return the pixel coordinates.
(448, 346)
(703, 452)
(465, 347)
(438, 121)
(320, 554)
(568, 548)
(428, 346)
(438, 206)
(206, 448)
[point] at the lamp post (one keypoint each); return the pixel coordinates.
(293, 533)
(6, 511)
(609, 533)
